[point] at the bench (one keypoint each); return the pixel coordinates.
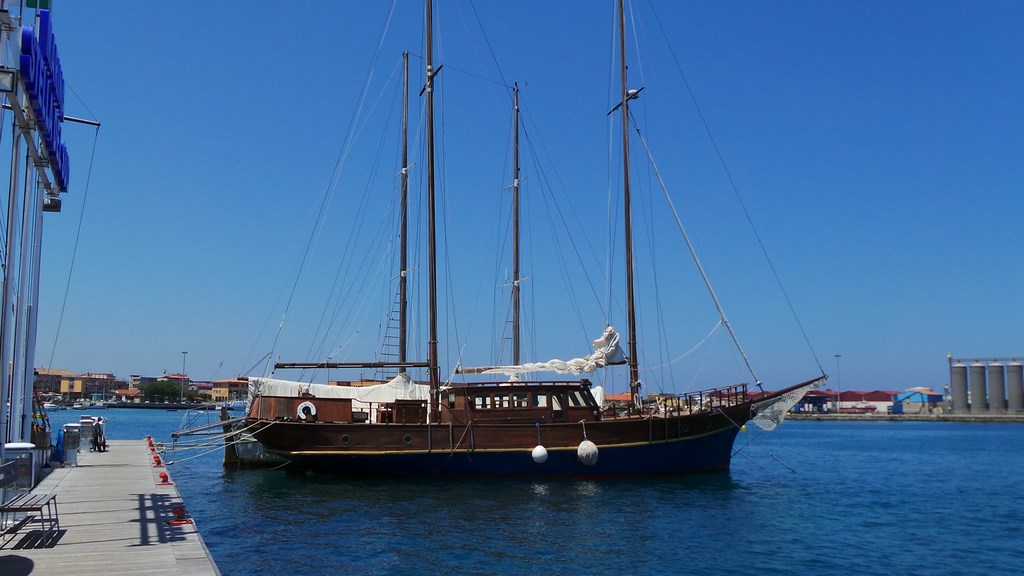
(39, 507)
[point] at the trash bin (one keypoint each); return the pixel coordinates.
(72, 442)
(86, 422)
(23, 454)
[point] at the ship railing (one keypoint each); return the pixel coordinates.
(702, 401)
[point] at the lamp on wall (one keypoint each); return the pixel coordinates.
(51, 203)
(8, 79)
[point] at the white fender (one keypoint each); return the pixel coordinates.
(307, 404)
(587, 453)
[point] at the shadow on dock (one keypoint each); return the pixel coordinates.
(154, 510)
(12, 565)
(36, 539)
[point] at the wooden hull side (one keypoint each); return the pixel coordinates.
(710, 453)
(626, 447)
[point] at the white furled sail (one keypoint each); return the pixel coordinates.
(607, 352)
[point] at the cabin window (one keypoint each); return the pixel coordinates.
(558, 406)
(557, 402)
(578, 398)
(523, 399)
(520, 399)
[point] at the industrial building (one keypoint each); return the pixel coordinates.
(993, 386)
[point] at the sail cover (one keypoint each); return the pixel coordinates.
(399, 388)
(607, 352)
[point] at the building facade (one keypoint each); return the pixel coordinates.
(228, 390)
(91, 386)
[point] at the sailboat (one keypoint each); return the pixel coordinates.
(523, 427)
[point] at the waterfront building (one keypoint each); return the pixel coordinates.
(228, 390)
(48, 381)
(94, 386)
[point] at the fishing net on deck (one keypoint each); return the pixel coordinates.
(770, 413)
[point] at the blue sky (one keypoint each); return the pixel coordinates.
(878, 147)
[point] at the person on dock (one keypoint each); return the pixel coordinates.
(99, 441)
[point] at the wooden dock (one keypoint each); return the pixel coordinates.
(114, 519)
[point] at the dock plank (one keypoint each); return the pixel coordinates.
(113, 519)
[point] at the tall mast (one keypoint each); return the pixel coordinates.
(403, 255)
(515, 227)
(432, 360)
(634, 369)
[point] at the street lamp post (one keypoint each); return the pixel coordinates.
(839, 387)
(183, 377)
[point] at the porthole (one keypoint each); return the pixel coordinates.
(345, 439)
(407, 439)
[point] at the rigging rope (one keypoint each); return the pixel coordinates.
(328, 192)
(691, 350)
(74, 250)
(732, 183)
(693, 254)
(210, 439)
(200, 455)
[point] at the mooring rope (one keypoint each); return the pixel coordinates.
(215, 449)
(750, 442)
(212, 439)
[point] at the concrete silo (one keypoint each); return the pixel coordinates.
(976, 385)
(996, 389)
(958, 387)
(1015, 387)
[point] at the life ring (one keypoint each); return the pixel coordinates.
(307, 404)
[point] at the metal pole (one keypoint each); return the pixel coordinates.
(183, 377)
(515, 228)
(22, 312)
(839, 387)
(6, 332)
(432, 352)
(403, 260)
(32, 319)
(67, 118)
(634, 360)
(4, 36)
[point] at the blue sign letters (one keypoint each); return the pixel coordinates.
(44, 81)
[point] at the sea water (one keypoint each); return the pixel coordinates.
(808, 498)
